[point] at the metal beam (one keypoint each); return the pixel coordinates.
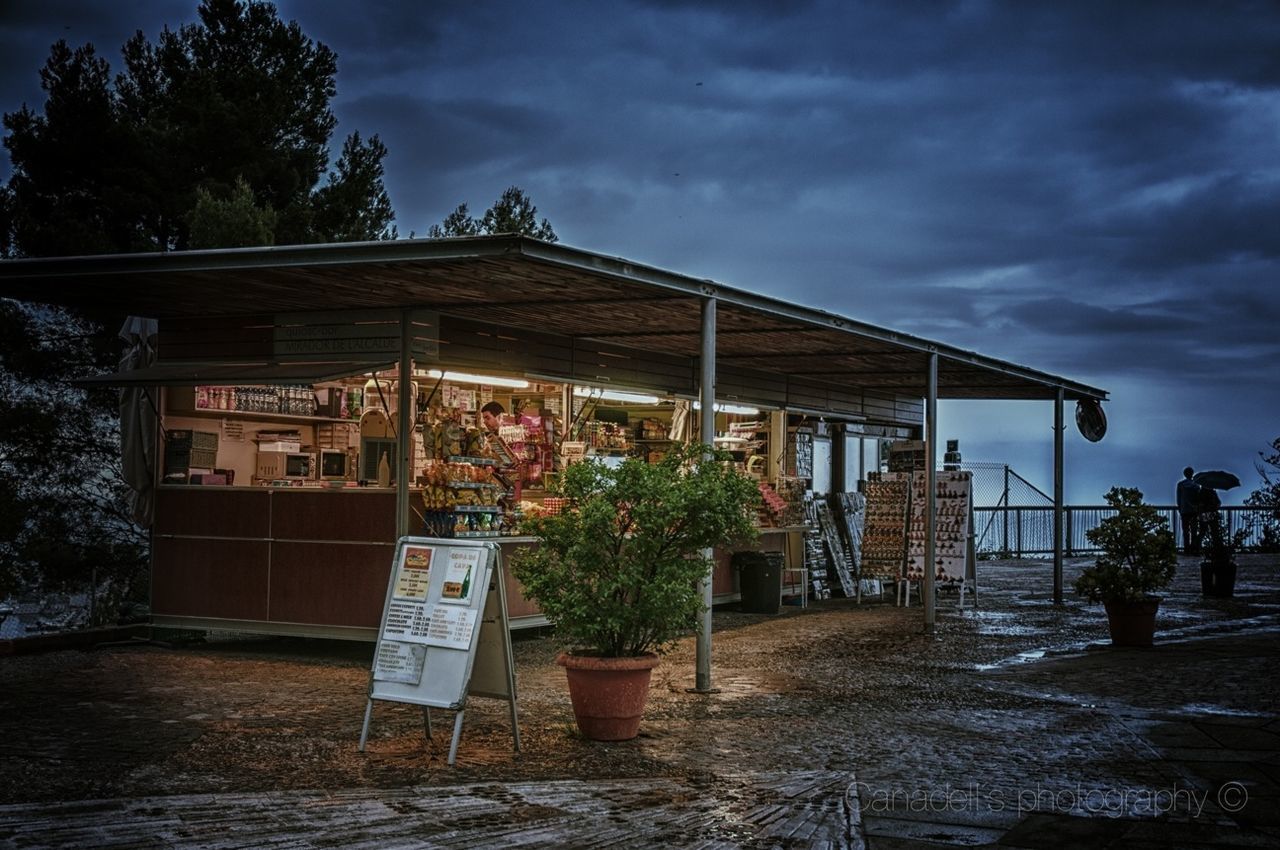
(697, 333)
(707, 434)
(404, 425)
(484, 306)
(931, 494)
(1058, 467)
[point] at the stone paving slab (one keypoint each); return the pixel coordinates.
(801, 809)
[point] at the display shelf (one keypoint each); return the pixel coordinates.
(476, 509)
(205, 413)
(473, 485)
(475, 461)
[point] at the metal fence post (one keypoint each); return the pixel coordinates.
(1004, 500)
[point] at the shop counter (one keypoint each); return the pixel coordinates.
(312, 561)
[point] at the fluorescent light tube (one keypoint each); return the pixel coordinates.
(730, 408)
(615, 395)
(491, 380)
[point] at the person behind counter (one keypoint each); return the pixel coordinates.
(491, 415)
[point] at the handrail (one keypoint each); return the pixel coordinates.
(1027, 531)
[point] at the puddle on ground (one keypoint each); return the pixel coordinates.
(1207, 709)
(1030, 655)
(1000, 623)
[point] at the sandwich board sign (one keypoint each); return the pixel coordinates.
(444, 632)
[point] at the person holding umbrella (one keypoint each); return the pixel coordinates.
(1189, 505)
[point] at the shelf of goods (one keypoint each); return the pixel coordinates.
(884, 534)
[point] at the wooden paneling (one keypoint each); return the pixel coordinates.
(750, 386)
(333, 515)
(209, 578)
(489, 345)
(215, 337)
(213, 511)
(517, 604)
(595, 362)
(329, 584)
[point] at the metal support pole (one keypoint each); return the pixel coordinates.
(862, 458)
(1058, 429)
(457, 736)
(364, 729)
(930, 494)
(1004, 500)
(839, 482)
(707, 432)
(404, 428)
(1068, 543)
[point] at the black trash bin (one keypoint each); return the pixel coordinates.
(759, 581)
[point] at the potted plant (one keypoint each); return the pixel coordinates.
(1137, 558)
(616, 571)
(1218, 568)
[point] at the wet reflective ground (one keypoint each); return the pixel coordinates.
(843, 723)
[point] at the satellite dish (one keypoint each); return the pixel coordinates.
(1090, 419)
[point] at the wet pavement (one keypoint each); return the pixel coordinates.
(1013, 725)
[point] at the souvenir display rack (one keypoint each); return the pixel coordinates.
(884, 537)
(852, 511)
(953, 493)
(835, 548)
(815, 556)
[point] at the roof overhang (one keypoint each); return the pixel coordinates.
(232, 374)
(527, 283)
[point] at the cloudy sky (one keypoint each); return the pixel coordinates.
(1087, 188)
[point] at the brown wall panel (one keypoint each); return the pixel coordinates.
(203, 338)
(325, 515)
(209, 578)
(213, 511)
(517, 604)
(328, 584)
(805, 394)
(750, 386)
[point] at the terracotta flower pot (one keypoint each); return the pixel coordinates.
(608, 693)
(1132, 623)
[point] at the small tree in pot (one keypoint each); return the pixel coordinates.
(1220, 547)
(616, 572)
(1138, 558)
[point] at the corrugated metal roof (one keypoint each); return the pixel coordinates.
(529, 284)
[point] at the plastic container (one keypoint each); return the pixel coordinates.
(759, 582)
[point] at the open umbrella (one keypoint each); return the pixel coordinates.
(1216, 479)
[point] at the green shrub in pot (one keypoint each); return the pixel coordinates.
(1137, 553)
(616, 571)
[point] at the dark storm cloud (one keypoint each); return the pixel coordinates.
(27, 30)
(1229, 217)
(1089, 188)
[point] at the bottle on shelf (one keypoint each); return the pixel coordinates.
(384, 471)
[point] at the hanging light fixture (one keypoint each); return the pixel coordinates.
(615, 395)
(491, 380)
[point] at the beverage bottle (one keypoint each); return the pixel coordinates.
(384, 471)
